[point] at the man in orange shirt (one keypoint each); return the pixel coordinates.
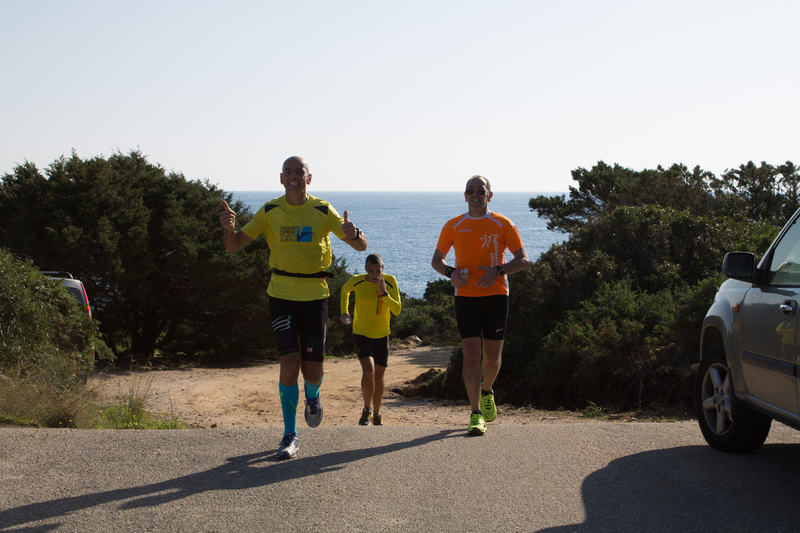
(480, 239)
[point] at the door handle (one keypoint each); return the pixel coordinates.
(788, 307)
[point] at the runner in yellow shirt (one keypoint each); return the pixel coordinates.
(377, 295)
(298, 227)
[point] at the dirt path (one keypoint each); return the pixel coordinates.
(248, 397)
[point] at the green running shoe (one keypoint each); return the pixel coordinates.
(376, 420)
(476, 425)
(488, 408)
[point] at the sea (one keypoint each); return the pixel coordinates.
(403, 227)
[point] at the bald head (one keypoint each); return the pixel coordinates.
(295, 162)
(475, 181)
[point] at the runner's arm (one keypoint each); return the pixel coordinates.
(393, 300)
(457, 279)
(233, 240)
(353, 236)
(358, 244)
(344, 302)
(518, 264)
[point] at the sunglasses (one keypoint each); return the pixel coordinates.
(479, 192)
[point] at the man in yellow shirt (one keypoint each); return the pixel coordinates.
(297, 226)
(480, 238)
(377, 295)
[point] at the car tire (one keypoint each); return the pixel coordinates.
(726, 424)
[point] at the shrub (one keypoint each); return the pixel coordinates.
(45, 345)
(432, 317)
(42, 327)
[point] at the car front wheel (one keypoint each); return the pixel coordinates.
(725, 424)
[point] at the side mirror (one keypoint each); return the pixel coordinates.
(740, 265)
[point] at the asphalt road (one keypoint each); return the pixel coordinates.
(546, 477)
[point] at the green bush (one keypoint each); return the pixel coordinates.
(432, 317)
(42, 328)
(613, 314)
(45, 347)
(602, 349)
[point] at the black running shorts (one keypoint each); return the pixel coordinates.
(378, 349)
(482, 314)
(300, 327)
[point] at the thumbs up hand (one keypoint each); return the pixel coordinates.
(227, 218)
(349, 228)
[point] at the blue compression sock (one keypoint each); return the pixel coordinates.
(289, 397)
(312, 391)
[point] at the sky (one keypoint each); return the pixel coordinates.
(401, 95)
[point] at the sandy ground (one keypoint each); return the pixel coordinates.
(248, 397)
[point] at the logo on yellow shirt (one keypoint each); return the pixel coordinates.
(296, 234)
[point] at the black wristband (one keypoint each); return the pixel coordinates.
(358, 234)
(448, 271)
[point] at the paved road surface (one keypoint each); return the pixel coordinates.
(547, 477)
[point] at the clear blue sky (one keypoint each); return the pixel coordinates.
(405, 95)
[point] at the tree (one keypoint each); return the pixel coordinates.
(790, 184)
(758, 187)
(147, 245)
(605, 188)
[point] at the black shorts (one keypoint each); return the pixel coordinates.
(300, 327)
(487, 314)
(378, 349)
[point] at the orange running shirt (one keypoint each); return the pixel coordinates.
(478, 242)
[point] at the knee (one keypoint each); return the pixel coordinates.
(471, 360)
(492, 359)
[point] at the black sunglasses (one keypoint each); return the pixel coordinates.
(479, 192)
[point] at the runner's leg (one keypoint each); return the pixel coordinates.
(367, 381)
(312, 375)
(490, 366)
(471, 346)
(289, 391)
(377, 396)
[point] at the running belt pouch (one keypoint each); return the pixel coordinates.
(321, 274)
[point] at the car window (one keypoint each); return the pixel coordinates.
(76, 293)
(785, 265)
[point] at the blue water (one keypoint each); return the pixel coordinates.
(403, 227)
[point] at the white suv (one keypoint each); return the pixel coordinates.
(74, 287)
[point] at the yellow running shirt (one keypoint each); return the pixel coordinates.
(371, 316)
(299, 243)
(478, 242)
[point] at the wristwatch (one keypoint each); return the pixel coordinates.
(500, 271)
(385, 294)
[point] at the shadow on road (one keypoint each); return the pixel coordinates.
(243, 472)
(694, 488)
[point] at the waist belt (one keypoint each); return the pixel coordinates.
(321, 274)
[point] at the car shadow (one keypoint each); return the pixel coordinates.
(242, 472)
(694, 488)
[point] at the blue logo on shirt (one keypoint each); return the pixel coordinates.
(304, 233)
